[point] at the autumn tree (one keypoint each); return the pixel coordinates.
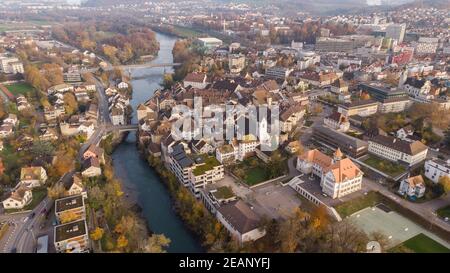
(70, 103)
(63, 163)
(320, 217)
(122, 242)
(56, 191)
(445, 182)
(157, 243)
(97, 234)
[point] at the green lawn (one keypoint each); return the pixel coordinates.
(347, 208)
(19, 88)
(186, 32)
(422, 244)
(256, 175)
(444, 212)
(388, 167)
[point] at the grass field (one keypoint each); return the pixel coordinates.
(347, 208)
(422, 244)
(20, 88)
(256, 175)
(385, 166)
(444, 212)
(186, 32)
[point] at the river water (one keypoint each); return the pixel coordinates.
(140, 180)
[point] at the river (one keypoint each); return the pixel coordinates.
(140, 180)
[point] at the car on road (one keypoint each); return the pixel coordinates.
(32, 215)
(25, 219)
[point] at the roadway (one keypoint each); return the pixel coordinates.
(21, 236)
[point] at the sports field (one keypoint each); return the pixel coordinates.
(397, 228)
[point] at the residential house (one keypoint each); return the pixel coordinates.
(6, 130)
(32, 177)
(95, 151)
(413, 187)
(293, 147)
(290, 116)
(117, 116)
(337, 121)
(74, 186)
(405, 132)
(91, 167)
(19, 198)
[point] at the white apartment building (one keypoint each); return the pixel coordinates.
(436, 168)
(10, 65)
(394, 105)
(206, 171)
(398, 150)
(427, 45)
(72, 237)
(278, 72)
(396, 32)
(236, 63)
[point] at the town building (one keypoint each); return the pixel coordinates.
(436, 168)
(278, 72)
(337, 121)
(381, 92)
(396, 32)
(196, 80)
(363, 108)
(338, 176)
(209, 42)
(70, 208)
(352, 146)
(397, 150)
(236, 63)
(72, 237)
(241, 221)
(427, 45)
